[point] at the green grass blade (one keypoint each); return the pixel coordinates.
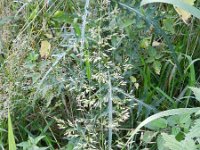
(178, 3)
(87, 64)
(167, 97)
(160, 115)
(11, 138)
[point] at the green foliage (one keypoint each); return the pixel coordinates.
(196, 92)
(84, 74)
(31, 144)
(11, 138)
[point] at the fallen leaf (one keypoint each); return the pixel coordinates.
(184, 14)
(45, 49)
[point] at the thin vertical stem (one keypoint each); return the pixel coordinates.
(84, 19)
(110, 117)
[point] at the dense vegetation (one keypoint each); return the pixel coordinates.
(80, 74)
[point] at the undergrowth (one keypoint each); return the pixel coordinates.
(84, 74)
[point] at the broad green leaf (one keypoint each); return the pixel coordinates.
(168, 25)
(160, 123)
(61, 16)
(11, 138)
(194, 131)
(45, 49)
(160, 143)
(171, 142)
(148, 136)
(162, 114)
(176, 130)
(196, 92)
(188, 144)
(177, 3)
(183, 121)
(70, 146)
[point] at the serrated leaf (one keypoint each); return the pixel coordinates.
(196, 92)
(183, 121)
(171, 142)
(45, 49)
(188, 144)
(194, 131)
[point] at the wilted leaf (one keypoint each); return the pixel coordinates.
(133, 79)
(45, 49)
(184, 14)
(157, 67)
(136, 85)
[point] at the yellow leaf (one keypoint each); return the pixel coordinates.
(45, 49)
(136, 85)
(184, 14)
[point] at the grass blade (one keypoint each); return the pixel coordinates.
(11, 138)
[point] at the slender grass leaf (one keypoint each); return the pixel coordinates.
(11, 138)
(87, 65)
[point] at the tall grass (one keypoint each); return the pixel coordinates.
(69, 101)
